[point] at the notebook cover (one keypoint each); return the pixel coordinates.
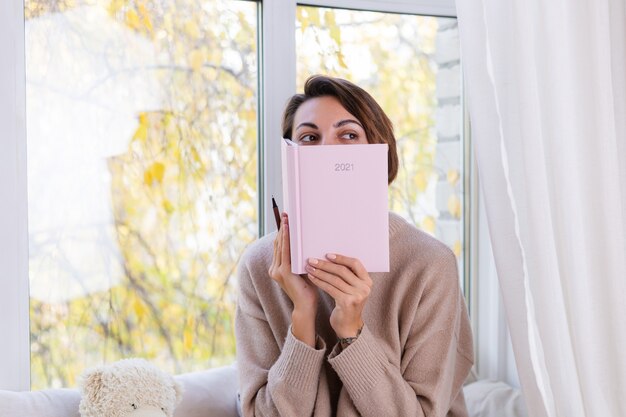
(336, 197)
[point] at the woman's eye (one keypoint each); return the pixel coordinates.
(307, 138)
(350, 136)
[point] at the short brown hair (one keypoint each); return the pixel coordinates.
(358, 102)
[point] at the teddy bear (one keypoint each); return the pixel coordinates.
(129, 387)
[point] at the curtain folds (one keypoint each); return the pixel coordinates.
(546, 86)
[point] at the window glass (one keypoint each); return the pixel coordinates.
(410, 64)
(142, 180)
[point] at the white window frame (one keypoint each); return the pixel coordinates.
(277, 82)
(14, 301)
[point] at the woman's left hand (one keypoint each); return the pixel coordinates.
(346, 280)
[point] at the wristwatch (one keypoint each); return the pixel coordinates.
(347, 341)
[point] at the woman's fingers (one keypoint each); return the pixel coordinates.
(353, 264)
(276, 258)
(279, 246)
(331, 290)
(286, 251)
(330, 278)
(342, 271)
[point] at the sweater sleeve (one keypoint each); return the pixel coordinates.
(275, 379)
(435, 360)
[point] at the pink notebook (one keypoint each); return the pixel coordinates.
(337, 201)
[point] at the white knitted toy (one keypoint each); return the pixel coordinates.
(130, 387)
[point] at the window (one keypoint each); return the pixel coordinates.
(142, 180)
(152, 140)
(410, 64)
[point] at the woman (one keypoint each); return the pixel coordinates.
(339, 341)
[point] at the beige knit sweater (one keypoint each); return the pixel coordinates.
(411, 358)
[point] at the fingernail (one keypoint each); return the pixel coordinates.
(313, 261)
(310, 268)
(331, 256)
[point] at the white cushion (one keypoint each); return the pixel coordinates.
(210, 393)
(46, 403)
(493, 399)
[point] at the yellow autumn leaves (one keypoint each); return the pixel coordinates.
(155, 171)
(315, 18)
(454, 204)
(454, 201)
(143, 316)
(136, 15)
(196, 59)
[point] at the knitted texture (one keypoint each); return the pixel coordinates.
(411, 358)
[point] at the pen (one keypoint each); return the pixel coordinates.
(276, 213)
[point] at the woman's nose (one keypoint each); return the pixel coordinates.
(328, 140)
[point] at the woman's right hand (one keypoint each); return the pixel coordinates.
(303, 294)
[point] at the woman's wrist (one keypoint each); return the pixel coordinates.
(303, 325)
(347, 341)
(349, 331)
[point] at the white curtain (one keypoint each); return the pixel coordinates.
(546, 85)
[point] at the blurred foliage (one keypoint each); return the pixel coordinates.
(184, 193)
(184, 198)
(36, 8)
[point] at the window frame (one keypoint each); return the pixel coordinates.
(277, 82)
(14, 295)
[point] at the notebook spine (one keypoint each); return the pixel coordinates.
(298, 217)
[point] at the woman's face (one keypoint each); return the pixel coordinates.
(324, 121)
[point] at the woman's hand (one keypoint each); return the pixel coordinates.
(346, 280)
(297, 287)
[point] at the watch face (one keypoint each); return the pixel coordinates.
(347, 341)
